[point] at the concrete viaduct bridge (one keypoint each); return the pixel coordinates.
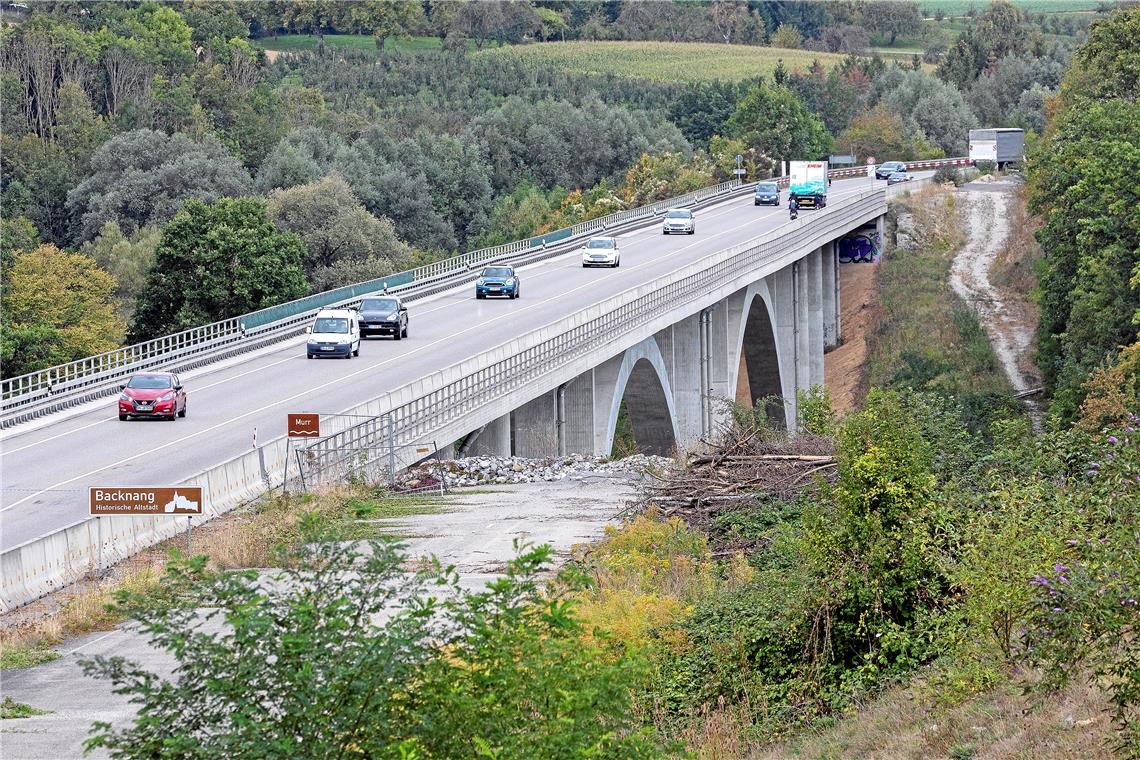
(759, 335)
(751, 320)
(749, 302)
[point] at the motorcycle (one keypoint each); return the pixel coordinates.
(793, 211)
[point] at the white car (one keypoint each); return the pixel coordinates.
(335, 332)
(679, 220)
(601, 252)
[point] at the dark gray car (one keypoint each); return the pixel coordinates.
(882, 171)
(383, 315)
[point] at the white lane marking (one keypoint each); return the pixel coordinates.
(89, 643)
(511, 314)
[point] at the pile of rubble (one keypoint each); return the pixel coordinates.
(483, 470)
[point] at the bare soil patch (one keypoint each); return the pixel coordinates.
(845, 367)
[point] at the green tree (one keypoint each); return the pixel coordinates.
(57, 307)
(892, 18)
(665, 175)
(143, 177)
(1080, 182)
(339, 234)
(126, 257)
(880, 133)
(17, 234)
(787, 36)
(214, 262)
(774, 121)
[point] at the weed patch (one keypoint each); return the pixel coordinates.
(10, 708)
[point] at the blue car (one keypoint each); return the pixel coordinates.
(767, 194)
(497, 281)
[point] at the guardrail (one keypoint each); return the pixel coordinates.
(41, 565)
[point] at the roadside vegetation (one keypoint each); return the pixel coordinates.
(253, 537)
(927, 338)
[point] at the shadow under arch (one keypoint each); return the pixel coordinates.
(643, 384)
(760, 358)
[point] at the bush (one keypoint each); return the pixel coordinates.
(946, 174)
(345, 654)
(985, 167)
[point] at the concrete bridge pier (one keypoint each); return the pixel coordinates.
(493, 440)
(831, 336)
(762, 343)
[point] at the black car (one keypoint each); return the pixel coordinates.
(767, 194)
(882, 171)
(498, 281)
(383, 315)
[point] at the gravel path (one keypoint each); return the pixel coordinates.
(1011, 335)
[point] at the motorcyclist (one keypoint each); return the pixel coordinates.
(793, 207)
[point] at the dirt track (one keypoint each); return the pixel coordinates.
(1003, 314)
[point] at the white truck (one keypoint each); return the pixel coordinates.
(997, 146)
(808, 183)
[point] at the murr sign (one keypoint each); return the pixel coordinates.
(135, 500)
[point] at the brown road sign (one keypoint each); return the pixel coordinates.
(304, 425)
(142, 500)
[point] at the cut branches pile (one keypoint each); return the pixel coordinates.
(747, 469)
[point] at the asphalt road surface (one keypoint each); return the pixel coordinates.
(47, 467)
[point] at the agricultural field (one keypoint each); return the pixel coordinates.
(287, 43)
(667, 61)
(961, 7)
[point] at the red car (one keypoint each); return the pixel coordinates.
(153, 394)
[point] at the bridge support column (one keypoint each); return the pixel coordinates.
(801, 276)
(830, 296)
(495, 440)
(782, 285)
(688, 396)
(720, 375)
(534, 428)
(814, 262)
(578, 408)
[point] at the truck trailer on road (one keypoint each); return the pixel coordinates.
(998, 146)
(808, 183)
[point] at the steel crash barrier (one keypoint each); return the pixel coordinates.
(45, 391)
(409, 414)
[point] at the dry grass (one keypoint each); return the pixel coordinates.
(83, 608)
(1002, 724)
(1014, 268)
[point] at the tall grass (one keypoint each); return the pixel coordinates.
(928, 338)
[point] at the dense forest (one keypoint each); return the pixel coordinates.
(363, 162)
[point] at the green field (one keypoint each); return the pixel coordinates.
(960, 7)
(287, 43)
(666, 61)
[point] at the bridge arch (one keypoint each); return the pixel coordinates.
(643, 383)
(762, 367)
